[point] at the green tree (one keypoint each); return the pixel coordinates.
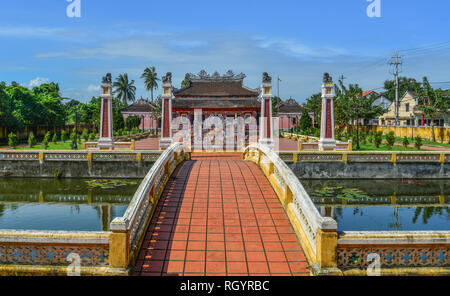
(55, 138)
(132, 122)
(305, 121)
(157, 108)
(404, 84)
(314, 105)
(46, 140)
(12, 140)
(125, 89)
(150, 79)
(31, 140)
(405, 142)
(418, 142)
(390, 139)
(63, 136)
(276, 101)
(432, 102)
(186, 82)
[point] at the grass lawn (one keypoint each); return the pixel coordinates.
(425, 142)
(51, 146)
(383, 147)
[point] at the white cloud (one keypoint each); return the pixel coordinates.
(38, 81)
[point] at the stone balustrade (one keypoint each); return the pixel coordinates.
(30, 252)
(353, 253)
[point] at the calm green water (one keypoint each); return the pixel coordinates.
(72, 204)
(366, 205)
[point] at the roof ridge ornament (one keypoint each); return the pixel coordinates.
(107, 79)
(327, 78)
(266, 78)
(203, 76)
(167, 78)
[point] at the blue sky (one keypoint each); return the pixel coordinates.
(297, 40)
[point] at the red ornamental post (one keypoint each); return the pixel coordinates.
(266, 134)
(106, 141)
(327, 141)
(166, 131)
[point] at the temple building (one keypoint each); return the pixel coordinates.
(289, 113)
(142, 109)
(223, 96)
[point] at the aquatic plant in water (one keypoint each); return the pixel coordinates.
(350, 194)
(109, 184)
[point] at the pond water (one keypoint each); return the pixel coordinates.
(66, 204)
(383, 205)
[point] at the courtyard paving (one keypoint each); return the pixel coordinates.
(219, 216)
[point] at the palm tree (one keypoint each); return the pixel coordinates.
(125, 89)
(151, 79)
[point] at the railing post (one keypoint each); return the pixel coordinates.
(300, 145)
(89, 157)
(344, 157)
(271, 168)
(133, 145)
(287, 196)
(41, 157)
(139, 157)
(151, 195)
(295, 157)
(394, 158)
(119, 245)
(326, 248)
(350, 145)
(442, 158)
(83, 144)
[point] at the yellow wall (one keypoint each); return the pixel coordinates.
(442, 134)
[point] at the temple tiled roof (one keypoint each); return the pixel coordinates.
(290, 106)
(219, 103)
(139, 106)
(215, 85)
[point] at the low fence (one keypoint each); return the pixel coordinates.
(100, 253)
(317, 234)
(352, 253)
(442, 134)
(307, 143)
(76, 164)
(369, 165)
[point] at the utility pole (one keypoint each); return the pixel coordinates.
(278, 82)
(396, 63)
(342, 78)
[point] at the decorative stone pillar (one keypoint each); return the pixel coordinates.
(266, 134)
(166, 129)
(327, 141)
(106, 141)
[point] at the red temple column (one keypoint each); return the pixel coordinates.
(266, 134)
(166, 129)
(327, 141)
(106, 141)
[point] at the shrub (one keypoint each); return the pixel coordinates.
(363, 138)
(31, 141)
(55, 138)
(418, 142)
(405, 142)
(12, 140)
(85, 135)
(390, 139)
(92, 137)
(371, 136)
(377, 139)
(46, 140)
(63, 136)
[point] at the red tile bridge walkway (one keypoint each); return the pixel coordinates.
(219, 216)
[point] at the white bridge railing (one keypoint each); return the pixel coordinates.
(309, 225)
(129, 230)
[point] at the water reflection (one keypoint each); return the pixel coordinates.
(48, 204)
(383, 204)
